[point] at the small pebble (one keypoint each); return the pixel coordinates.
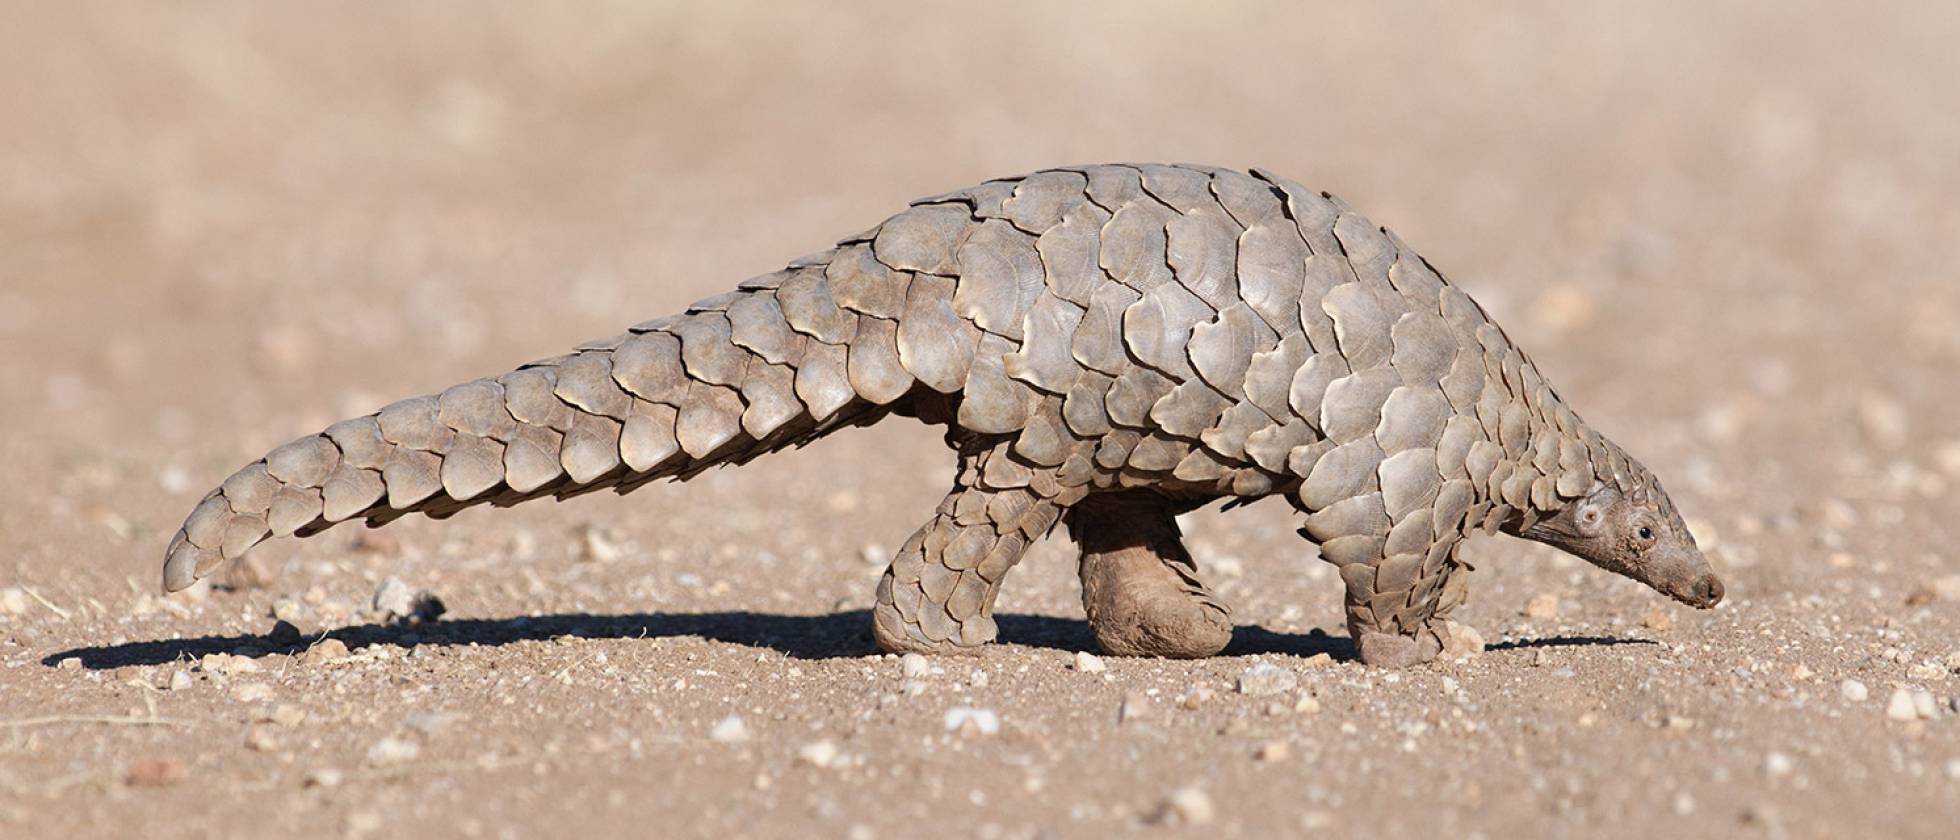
(287, 610)
(1306, 705)
(1194, 698)
(430, 723)
(1461, 642)
(251, 692)
(1266, 678)
(156, 772)
(1778, 764)
(914, 666)
(1854, 691)
(1272, 751)
(969, 721)
(729, 730)
(324, 777)
(261, 739)
(393, 597)
(1542, 605)
(1135, 707)
(599, 545)
(1658, 619)
(393, 750)
(978, 679)
(1901, 706)
(1186, 806)
(323, 652)
(13, 601)
(1089, 663)
(180, 681)
(1923, 703)
(72, 663)
(818, 753)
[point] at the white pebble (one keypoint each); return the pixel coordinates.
(1924, 704)
(392, 750)
(393, 597)
(818, 753)
(1778, 764)
(914, 666)
(729, 730)
(968, 720)
(1135, 706)
(1854, 691)
(180, 681)
(1901, 706)
(1089, 663)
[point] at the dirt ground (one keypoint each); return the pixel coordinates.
(1727, 234)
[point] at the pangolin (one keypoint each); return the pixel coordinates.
(1107, 347)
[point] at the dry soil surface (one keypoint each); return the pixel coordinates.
(1728, 234)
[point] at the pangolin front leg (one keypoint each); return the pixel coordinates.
(1140, 587)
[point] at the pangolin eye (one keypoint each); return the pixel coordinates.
(1646, 534)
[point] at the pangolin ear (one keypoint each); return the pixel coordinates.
(1590, 515)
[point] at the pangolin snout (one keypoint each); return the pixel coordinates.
(1706, 592)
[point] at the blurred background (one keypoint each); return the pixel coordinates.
(1727, 231)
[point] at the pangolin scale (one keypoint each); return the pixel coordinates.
(1107, 346)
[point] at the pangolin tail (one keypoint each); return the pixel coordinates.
(724, 383)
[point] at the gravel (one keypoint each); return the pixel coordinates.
(1265, 679)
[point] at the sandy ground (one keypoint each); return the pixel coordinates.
(1727, 234)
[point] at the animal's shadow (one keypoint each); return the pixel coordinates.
(845, 634)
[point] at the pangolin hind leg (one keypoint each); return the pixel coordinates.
(1140, 586)
(938, 595)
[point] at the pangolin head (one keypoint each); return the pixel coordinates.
(1627, 524)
